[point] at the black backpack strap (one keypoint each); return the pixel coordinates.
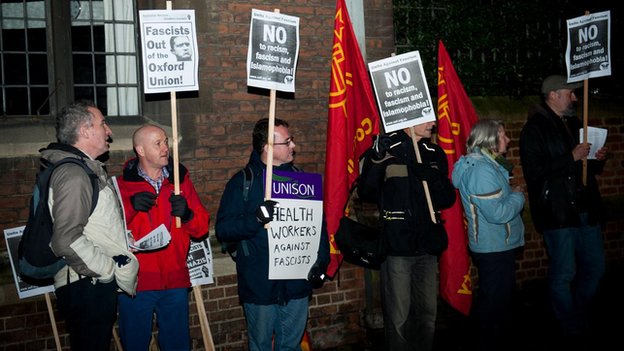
(247, 181)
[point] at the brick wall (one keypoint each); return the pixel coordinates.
(216, 124)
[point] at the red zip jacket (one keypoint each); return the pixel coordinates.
(165, 268)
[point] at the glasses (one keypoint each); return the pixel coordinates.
(286, 142)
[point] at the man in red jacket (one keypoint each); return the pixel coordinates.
(147, 191)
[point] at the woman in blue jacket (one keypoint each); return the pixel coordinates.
(495, 229)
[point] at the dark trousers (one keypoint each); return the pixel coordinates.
(89, 311)
(493, 300)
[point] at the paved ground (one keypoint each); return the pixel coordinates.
(533, 324)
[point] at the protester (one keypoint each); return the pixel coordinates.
(148, 192)
(276, 311)
(94, 245)
(392, 177)
(495, 229)
(565, 210)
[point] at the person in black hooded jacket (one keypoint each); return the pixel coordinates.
(392, 178)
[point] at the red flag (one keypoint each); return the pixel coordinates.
(352, 121)
(456, 115)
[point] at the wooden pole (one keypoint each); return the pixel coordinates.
(203, 319)
(270, 140)
(57, 340)
(199, 302)
(424, 182)
(585, 119)
(174, 131)
(117, 340)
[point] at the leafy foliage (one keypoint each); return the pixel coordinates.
(499, 48)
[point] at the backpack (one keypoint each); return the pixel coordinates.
(230, 246)
(37, 264)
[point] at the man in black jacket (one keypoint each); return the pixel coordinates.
(392, 178)
(567, 212)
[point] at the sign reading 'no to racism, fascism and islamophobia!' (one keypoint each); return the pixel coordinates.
(273, 51)
(401, 90)
(588, 53)
(169, 47)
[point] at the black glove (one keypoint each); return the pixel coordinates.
(317, 276)
(121, 260)
(381, 145)
(264, 213)
(424, 172)
(179, 208)
(143, 201)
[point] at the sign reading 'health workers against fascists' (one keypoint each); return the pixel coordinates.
(588, 53)
(402, 92)
(169, 47)
(273, 50)
(295, 232)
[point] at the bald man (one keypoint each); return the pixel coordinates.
(147, 191)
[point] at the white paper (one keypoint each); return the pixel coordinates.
(596, 137)
(24, 290)
(156, 239)
(199, 263)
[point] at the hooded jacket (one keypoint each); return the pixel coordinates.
(236, 222)
(493, 210)
(87, 242)
(165, 268)
(392, 182)
(557, 195)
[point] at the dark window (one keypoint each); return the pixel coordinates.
(53, 52)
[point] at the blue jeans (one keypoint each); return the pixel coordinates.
(172, 317)
(409, 299)
(288, 322)
(577, 264)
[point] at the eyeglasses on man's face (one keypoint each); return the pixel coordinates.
(286, 142)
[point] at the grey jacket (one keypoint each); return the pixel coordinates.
(87, 242)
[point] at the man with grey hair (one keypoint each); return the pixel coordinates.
(94, 245)
(566, 210)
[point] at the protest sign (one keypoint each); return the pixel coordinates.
(402, 92)
(273, 50)
(295, 232)
(169, 50)
(199, 263)
(588, 53)
(12, 237)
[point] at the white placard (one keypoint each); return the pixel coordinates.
(169, 50)
(12, 236)
(273, 50)
(588, 53)
(402, 92)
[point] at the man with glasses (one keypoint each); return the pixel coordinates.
(276, 310)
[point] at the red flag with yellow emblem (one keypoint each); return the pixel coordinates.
(352, 121)
(456, 116)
